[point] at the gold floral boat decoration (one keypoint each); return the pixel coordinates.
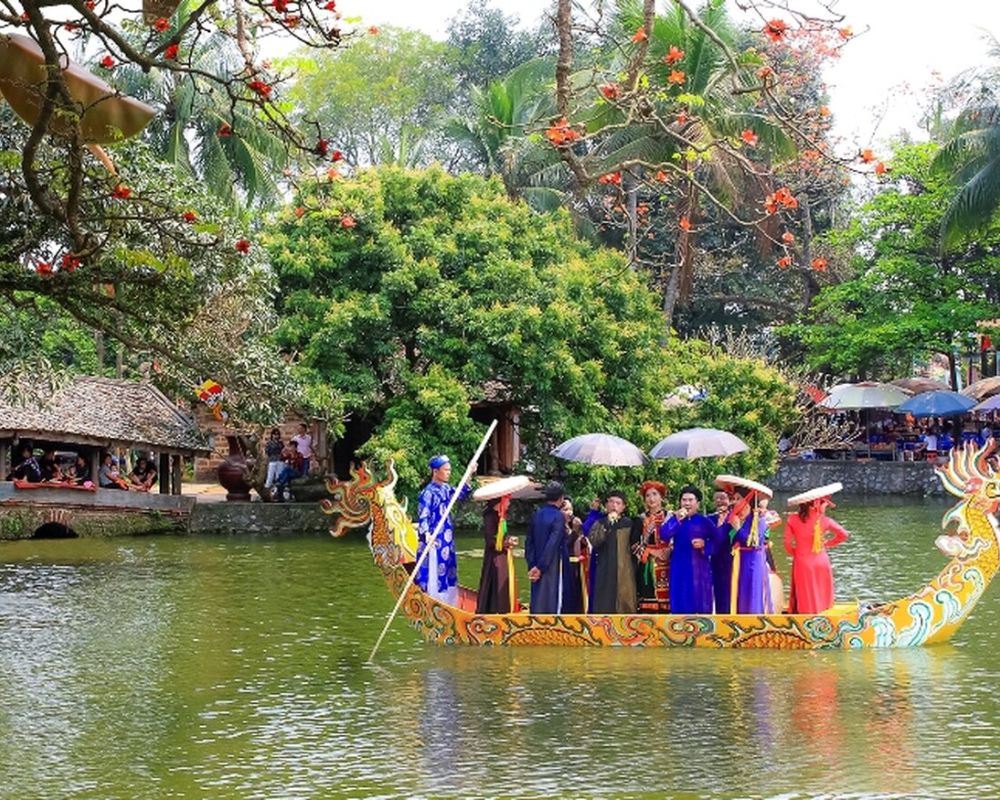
(928, 616)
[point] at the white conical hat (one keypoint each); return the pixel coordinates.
(815, 494)
(501, 487)
(722, 481)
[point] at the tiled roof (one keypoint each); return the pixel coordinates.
(108, 411)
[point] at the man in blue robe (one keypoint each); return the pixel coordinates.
(438, 573)
(546, 553)
(691, 535)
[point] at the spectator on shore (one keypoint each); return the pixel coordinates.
(304, 443)
(143, 476)
(27, 469)
(79, 472)
(49, 467)
(108, 477)
(273, 450)
(293, 469)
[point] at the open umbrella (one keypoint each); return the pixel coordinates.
(937, 404)
(918, 385)
(601, 448)
(989, 404)
(868, 394)
(980, 390)
(698, 443)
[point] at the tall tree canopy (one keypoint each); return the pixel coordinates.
(405, 294)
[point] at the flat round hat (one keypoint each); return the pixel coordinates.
(724, 481)
(501, 487)
(815, 494)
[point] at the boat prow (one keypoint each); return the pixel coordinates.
(929, 615)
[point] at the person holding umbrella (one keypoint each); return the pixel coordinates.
(807, 542)
(497, 591)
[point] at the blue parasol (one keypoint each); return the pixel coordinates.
(937, 404)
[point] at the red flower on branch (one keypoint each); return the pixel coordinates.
(819, 264)
(611, 91)
(866, 156)
(824, 111)
(170, 54)
(640, 36)
(281, 6)
(322, 147)
(161, 24)
(71, 27)
(121, 192)
(765, 72)
(881, 168)
(70, 262)
(261, 88)
(788, 237)
(348, 221)
(242, 246)
(784, 262)
(676, 76)
(661, 176)
(291, 20)
(90, 5)
(684, 223)
(299, 212)
(611, 179)
(373, 30)
(682, 118)
(749, 137)
(674, 54)
(336, 156)
(846, 33)
(331, 6)
(775, 29)
(189, 216)
(560, 133)
(43, 268)
(782, 198)
(108, 62)
(225, 131)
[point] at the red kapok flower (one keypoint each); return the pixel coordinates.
(43, 268)
(90, 5)
(348, 221)
(749, 137)
(261, 88)
(682, 117)
(291, 20)
(299, 211)
(170, 54)
(225, 130)
(281, 6)
(107, 62)
(611, 91)
(788, 237)
(684, 223)
(819, 264)
(846, 33)
(661, 176)
(560, 133)
(784, 262)
(674, 54)
(881, 168)
(70, 262)
(775, 29)
(331, 6)
(676, 76)
(336, 156)
(71, 26)
(824, 111)
(866, 155)
(161, 24)
(373, 30)
(322, 147)
(611, 178)
(333, 174)
(242, 246)
(640, 35)
(764, 72)
(121, 192)
(189, 216)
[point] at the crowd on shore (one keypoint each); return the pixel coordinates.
(51, 469)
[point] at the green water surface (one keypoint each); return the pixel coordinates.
(234, 668)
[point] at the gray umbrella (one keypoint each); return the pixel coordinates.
(698, 443)
(601, 448)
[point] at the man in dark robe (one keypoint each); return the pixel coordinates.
(721, 550)
(546, 554)
(614, 584)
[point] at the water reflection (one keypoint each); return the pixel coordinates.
(234, 668)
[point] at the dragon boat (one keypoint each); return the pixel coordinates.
(929, 616)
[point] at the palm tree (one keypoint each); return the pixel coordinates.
(239, 168)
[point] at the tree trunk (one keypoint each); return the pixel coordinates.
(564, 65)
(99, 349)
(631, 205)
(953, 370)
(810, 288)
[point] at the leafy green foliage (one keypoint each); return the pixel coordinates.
(906, 299)
(444, 287)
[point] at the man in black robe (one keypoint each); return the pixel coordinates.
(610, 538)
(546, 554)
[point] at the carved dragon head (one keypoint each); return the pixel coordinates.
(970, 475)
(350, 500)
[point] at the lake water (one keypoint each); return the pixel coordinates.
(234, 668)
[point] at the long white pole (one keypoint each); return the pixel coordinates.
(469, 470)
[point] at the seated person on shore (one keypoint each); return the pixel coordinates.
(27, 469)
(294, 465)
(78, 473)
(49, 467)
(109, 477)
(143, 476)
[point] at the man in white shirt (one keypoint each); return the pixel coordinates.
(304, 441)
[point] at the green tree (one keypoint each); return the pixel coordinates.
(404, 293)
(383, 99)
(903, 298)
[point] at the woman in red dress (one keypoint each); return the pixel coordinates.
(809, 533)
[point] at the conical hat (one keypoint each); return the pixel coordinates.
(502, 486)
(815, 494)
(723, 481)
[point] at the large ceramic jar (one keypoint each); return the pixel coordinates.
(234, 474)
